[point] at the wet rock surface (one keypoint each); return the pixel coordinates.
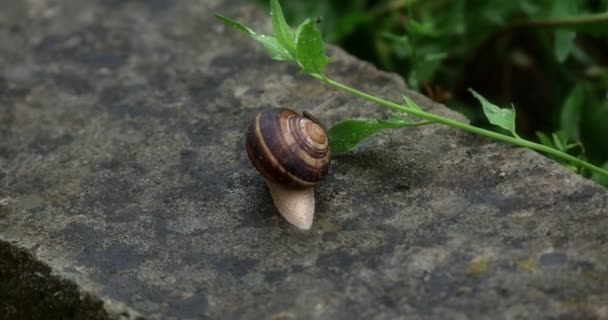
(125, 188)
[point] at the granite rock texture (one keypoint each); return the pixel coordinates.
(125, 190)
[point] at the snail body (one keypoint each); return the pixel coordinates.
(292, 152)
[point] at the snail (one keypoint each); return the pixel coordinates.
(292, 152)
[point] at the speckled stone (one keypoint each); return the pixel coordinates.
(125, 190)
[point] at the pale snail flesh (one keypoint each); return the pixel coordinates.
(292, 152)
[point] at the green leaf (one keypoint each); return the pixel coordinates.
(561, 9)
(310, 50)
(234, 24)
(504, 118)
(600, 178)
(562, 143)
(564, 39)
(455, 22)
(571, 113)
(410, 103)
(353, 20)
(559, 141)
(549, 142)
(545, 140)
(347, 134)
(422, 29)
(401, 44)
(274, 48)
(276, 51)
(564, 43)
(281, 29)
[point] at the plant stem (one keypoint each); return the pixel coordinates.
(566, 22)
(463, 126)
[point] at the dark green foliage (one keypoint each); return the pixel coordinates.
(547, 58)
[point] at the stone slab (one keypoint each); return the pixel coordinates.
(125, 190)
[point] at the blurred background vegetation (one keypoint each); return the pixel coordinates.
(549, 58)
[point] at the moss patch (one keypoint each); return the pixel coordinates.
(478, 266)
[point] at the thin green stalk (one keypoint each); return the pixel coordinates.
(566, 22)
(457, 124)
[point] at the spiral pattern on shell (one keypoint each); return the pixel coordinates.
(288, 148)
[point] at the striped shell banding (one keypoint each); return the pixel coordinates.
(288, 148)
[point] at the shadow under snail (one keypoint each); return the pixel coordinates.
(292, 152)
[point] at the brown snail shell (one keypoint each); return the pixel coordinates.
(288, 148)
(292, 152)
